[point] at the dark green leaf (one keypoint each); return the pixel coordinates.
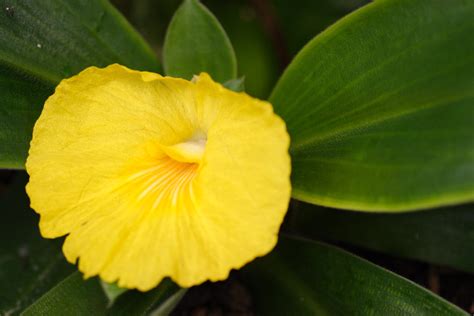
(58, 38)
(165, 307)
(73, 296)
(255, 54)
(29, 264)
(380, 108)
(196, 42)
(42, 42)
(21, 101)
(307, 278)
(112, 291)
(159, 301)
(442, 236)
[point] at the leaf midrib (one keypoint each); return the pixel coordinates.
(324, 39)
(297, 147)
(31, 70)
(382, 65)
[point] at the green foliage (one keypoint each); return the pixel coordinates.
(55, 39)
(308, 278)
(443, 236)
(76, 296)
(159, 301)
(379, 108)
(253, 48)
(72, 296)
(22, 98)
(29, 264)
(112, 290)
(196, 42)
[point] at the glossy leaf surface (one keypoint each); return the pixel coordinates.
(196, 42)
(380, 108)
(72, 296)
(441, 236)
(56, 39)
(306, 278)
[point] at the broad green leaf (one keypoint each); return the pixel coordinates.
(380, 108)
(29, 264)
(307, 278)
(159, 301)
(55, 39)
(196, 42)
(42, 42)
(73, 296)
(441, 236)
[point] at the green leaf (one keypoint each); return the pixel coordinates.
(308, 278)
(42, 42)
(29, 264)
(380, 108)
(112, 291)
(21, 101)
(442, 236)
(196, 42)
(73, 296)
(55, 39)
(159, 301)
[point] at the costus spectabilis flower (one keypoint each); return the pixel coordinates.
(152, 177)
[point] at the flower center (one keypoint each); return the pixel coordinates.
(190, 151)
(167, 182)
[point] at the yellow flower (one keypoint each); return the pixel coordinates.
(153, 176)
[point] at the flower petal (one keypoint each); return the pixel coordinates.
(155, 176)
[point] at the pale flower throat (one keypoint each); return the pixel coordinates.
(168, 182)
(191, 150)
